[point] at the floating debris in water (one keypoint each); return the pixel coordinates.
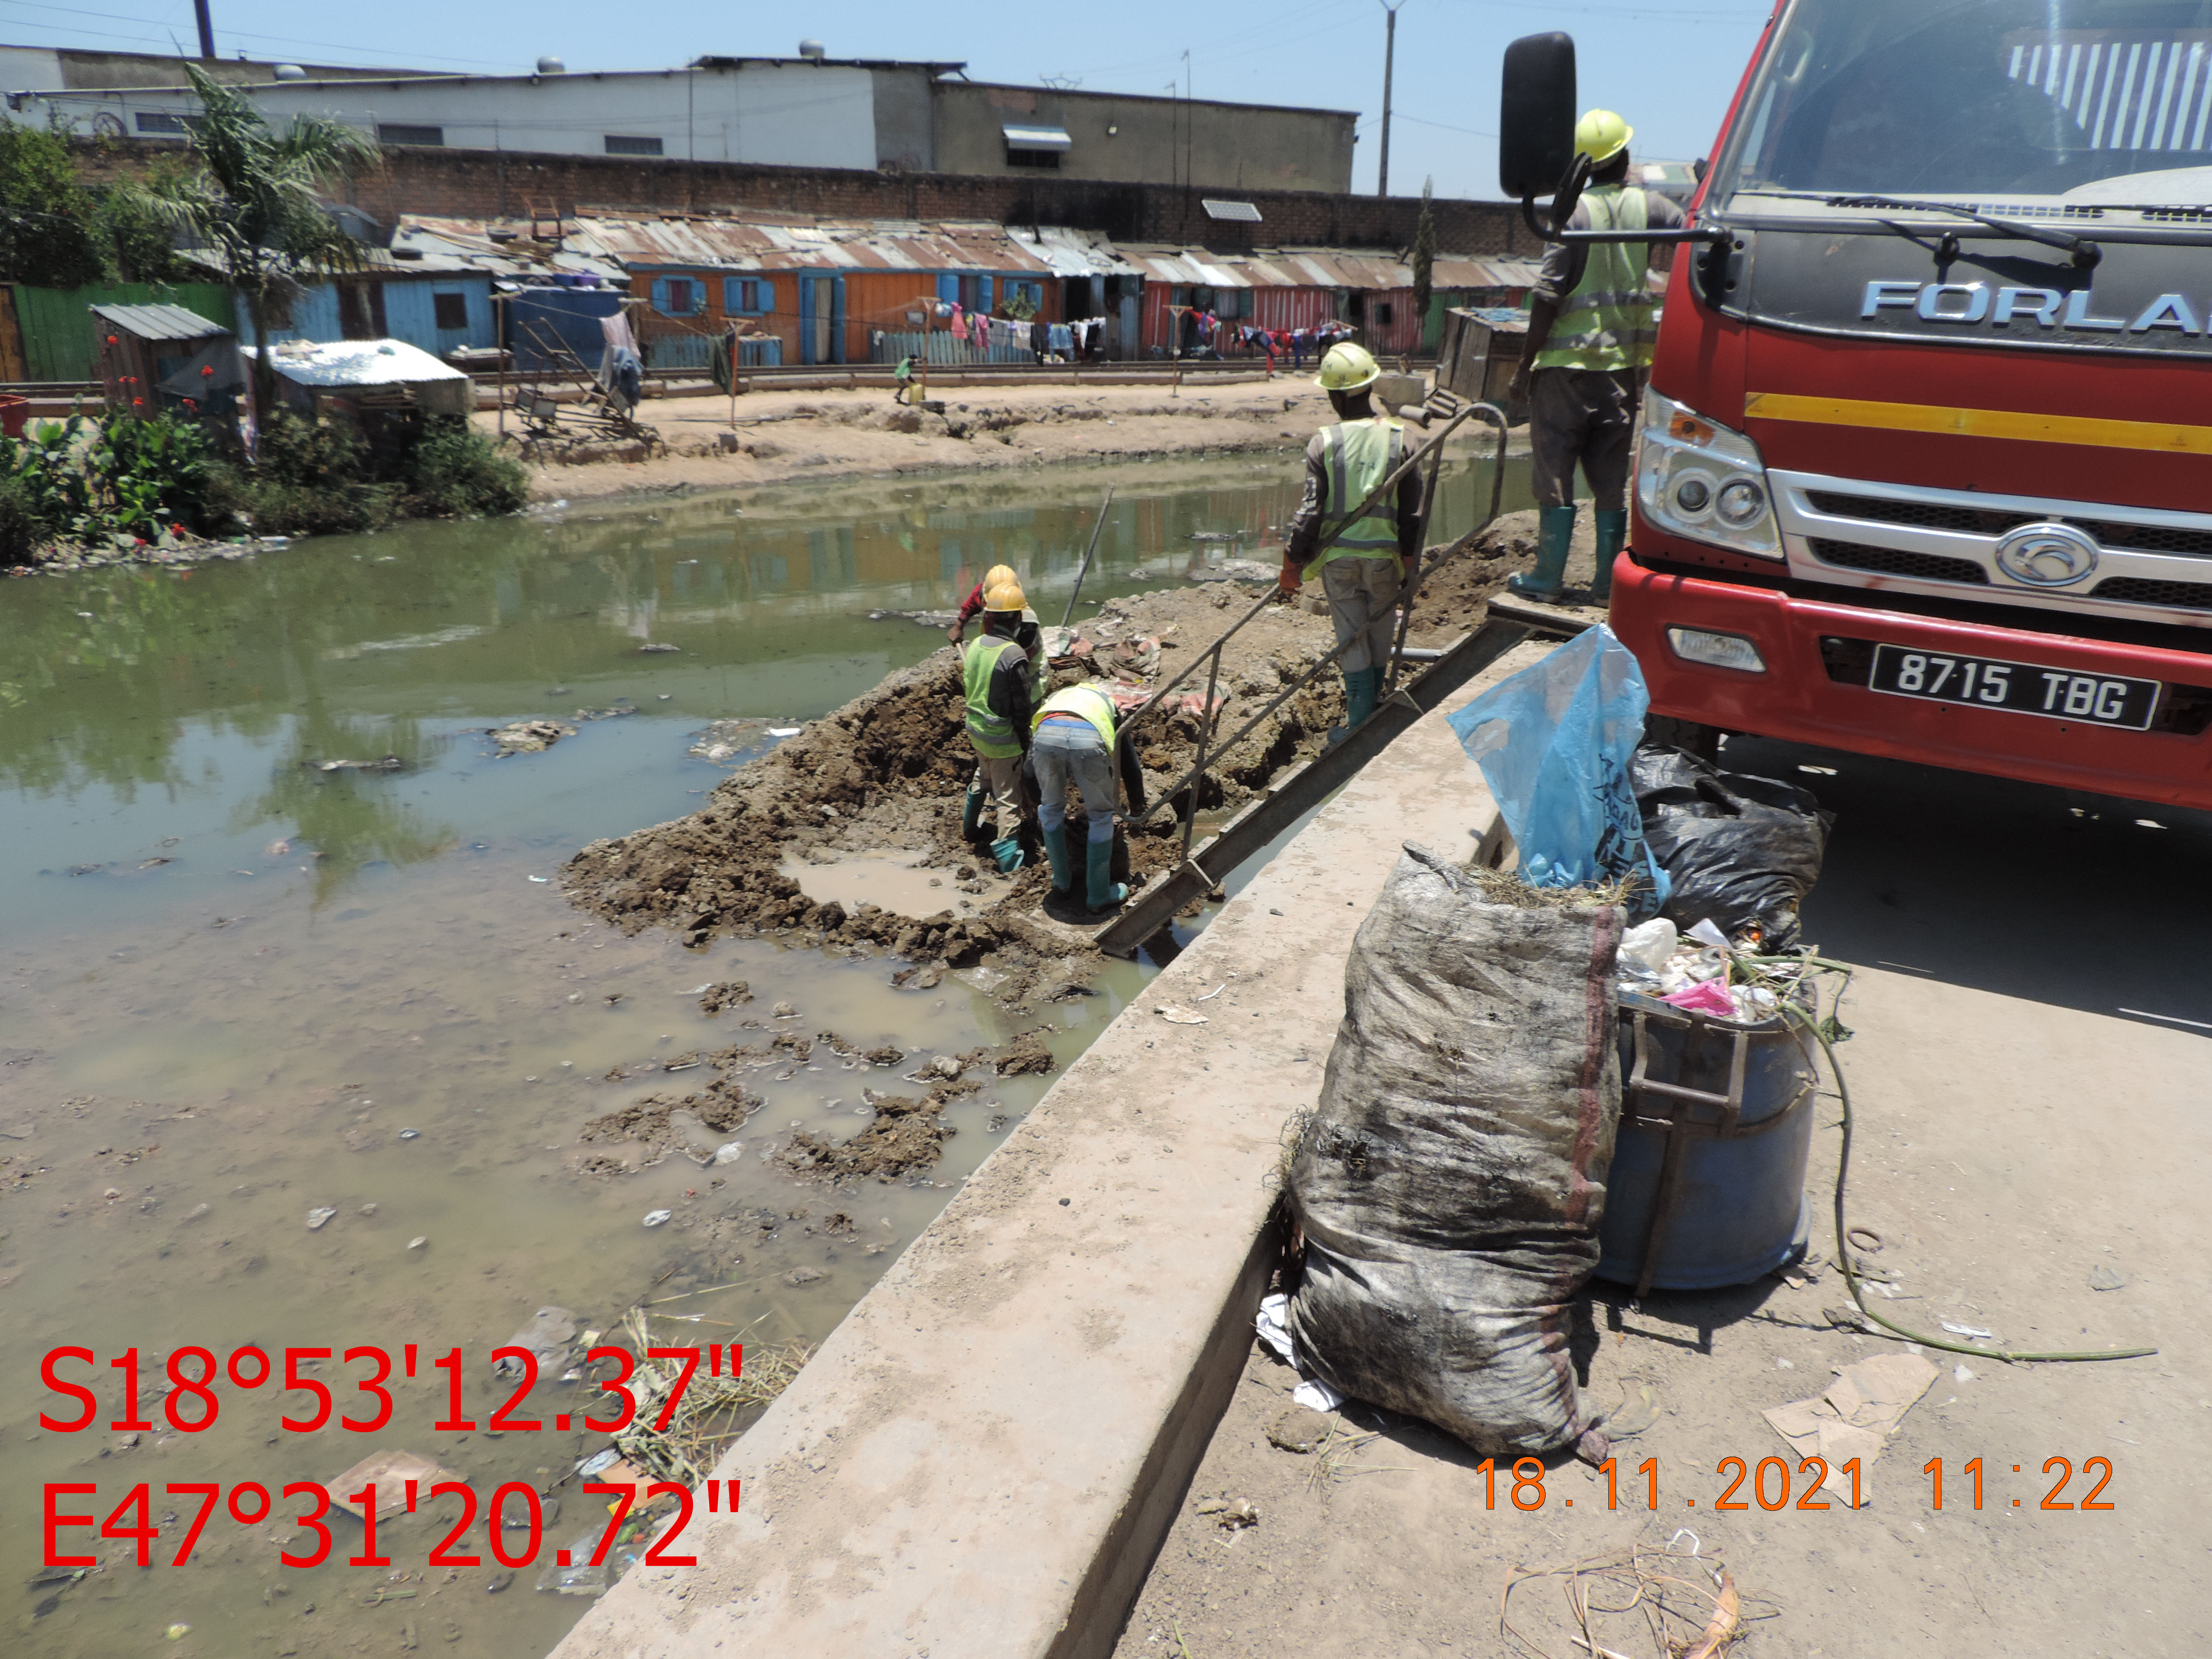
(411, 1134)
(418, 1241)
(317, 1217)
(655, 1218)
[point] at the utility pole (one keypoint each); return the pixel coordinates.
(207, 29)
(1390, 61)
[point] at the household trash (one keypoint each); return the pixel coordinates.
(1176, 1014)
(655, 1218)
(1554, 743)
(418, 1241)
(1317, 1395)
(1274, 1330)
(580, 1577)
(2102, 1277)
(1449, 1184)
(1971, 1333)
(545, 1338)
(1738, 850)
(389, 1471)
(1650, 945)
(730, 1152)
(316, 1218)
(528, 737)
(1856, 1416)
(726, 740)
(785, 731)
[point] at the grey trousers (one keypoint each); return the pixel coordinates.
(1585, 414)
(1065, 751)
(1000, 781)
(1363, 597)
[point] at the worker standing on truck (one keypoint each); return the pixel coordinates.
(1076, 739)
(999, 679)
(1592, 319)
(1365, 561)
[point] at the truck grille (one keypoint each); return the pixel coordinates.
(1896, 562)
(1980, 521)
(2134, 590)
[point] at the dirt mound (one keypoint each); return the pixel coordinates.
(905, 1135)
(890, 769)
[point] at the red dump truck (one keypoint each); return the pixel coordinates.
(1926, 462)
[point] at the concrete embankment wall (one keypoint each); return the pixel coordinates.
(983, 1458)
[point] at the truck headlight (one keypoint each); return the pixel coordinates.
(1699, 480)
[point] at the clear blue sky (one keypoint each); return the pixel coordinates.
(1669, 66)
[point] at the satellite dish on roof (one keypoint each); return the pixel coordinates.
(290, 72)
(551, 65)
(813, 49)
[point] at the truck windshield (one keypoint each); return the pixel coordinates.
(1984, 101)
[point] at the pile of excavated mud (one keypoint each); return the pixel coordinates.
(888, 772)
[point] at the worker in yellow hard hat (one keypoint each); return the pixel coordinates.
(974, 603)
(1592, 318)
(1077, 739)
(1365, 560)
(1000, 679)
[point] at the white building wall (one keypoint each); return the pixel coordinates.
(778, 114)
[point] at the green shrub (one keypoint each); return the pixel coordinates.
(455, 469)
(19, 529)
(86, 481)
(309, 478)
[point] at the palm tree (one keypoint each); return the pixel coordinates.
(1424, 261)
(255, 202)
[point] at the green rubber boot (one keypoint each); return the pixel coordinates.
(1104, 893)
(971, 816)
(1062, 861)
(1008, 855)
(1611, 537)
(1555, 529)
(1360, 689)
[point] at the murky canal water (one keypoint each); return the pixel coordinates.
(240, 985)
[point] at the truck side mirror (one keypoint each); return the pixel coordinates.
(1536, 116)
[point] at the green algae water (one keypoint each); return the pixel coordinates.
(297, 1033)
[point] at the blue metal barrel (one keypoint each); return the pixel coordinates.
(1707, 1186)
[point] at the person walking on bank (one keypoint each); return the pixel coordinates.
(1363, 569)
(1591, 323)
(997, 678)
(1075, 740)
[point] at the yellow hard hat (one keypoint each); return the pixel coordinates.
(1348, 367)
(1601, 135)
(1004, 596)
(1000, 573)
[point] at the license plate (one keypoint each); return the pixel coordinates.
(2023, 687)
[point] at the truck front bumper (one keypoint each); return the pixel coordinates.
(1814, 687)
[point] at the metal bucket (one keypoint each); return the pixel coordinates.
(1707, 1187)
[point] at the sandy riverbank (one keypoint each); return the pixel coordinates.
(781, 436)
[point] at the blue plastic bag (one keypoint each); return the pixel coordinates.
(1555, 743)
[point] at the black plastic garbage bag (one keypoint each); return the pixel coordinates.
(1451, 1182)
(1741, 850)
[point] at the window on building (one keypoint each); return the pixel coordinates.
(678, 296)
(618, 146)
(1048, 159)
(1385, 314)
(154, 121)
(450, 310)
(748, 296)
(399, 133)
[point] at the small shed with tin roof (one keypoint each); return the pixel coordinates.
(156, 357)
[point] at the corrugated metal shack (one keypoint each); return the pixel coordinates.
(154, 358)
(822, 288)
(1302, 290)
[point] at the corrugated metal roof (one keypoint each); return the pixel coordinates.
(1070, 252)
(744, 243)
(340, 363)
(159, 322)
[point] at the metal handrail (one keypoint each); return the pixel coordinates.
(1190, 782)
(1435, 444)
